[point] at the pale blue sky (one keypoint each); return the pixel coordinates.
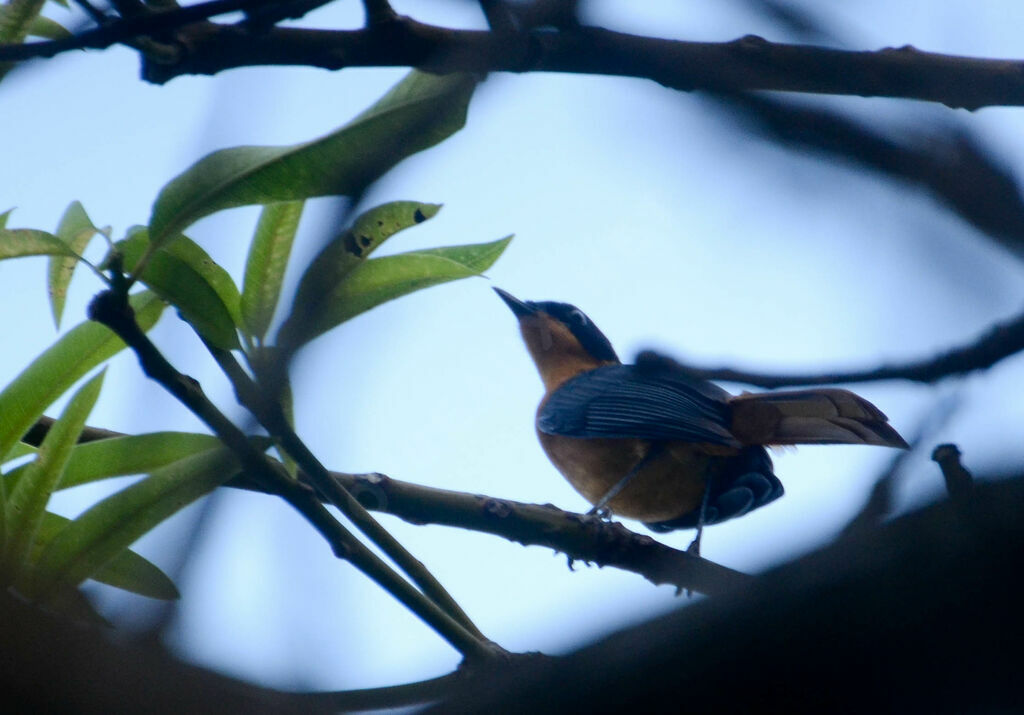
(641, 205)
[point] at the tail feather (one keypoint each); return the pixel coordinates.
(820, 416)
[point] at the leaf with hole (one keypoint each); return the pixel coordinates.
(339, 258)
(382, 279)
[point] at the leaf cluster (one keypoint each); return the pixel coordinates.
(44, 556)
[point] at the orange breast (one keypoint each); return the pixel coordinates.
(668, 486)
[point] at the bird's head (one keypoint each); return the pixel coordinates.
(561, 339)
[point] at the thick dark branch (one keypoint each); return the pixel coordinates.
(745, 64)
(917, 616)
(1002, 341)
(749, 63)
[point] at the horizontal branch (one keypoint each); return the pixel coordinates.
(579, 537)
(1000, 342)
(748, 63)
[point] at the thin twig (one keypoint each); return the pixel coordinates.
(111, 309)
(879, 504)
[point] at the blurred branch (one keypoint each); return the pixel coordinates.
(749, 63)
(879, 504)
(1000, 342)
(959, 482)
(917, 616)
(53, 666)
(952, 165)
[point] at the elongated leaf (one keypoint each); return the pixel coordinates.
(75, 230)
(18, 242)
(184, 275)
(382, 279)
(38, 26)
(48, 29)
(339, 258)
(127, 570)
(60, 366)
(19, 450)
(27, 501)
(88, 543)
(417, 113)
(16, 19)
(131, 454)
(266, 263)
(3, 218)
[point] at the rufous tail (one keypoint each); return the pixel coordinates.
(818, 416)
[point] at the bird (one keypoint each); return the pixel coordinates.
(649, 441)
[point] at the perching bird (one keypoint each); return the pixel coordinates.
(650, 442)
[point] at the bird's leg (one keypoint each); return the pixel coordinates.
(694, 547)
(653, 451)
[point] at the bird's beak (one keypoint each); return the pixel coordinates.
(517, 306)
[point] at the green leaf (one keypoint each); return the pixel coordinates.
(127, 570)
(417, 113)
(185, 276)
(48, 29)
(382, 279)
(339, 258)
(27, 501)
(18, 242)
(3, 218)
(75, 230)
(131, 454)
(266, 263)
(91, 541)
(18, 450)
(15, 19)
(60, 366)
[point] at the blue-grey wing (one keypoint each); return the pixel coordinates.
(626, 401)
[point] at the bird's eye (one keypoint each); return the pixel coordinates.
(578, 317)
